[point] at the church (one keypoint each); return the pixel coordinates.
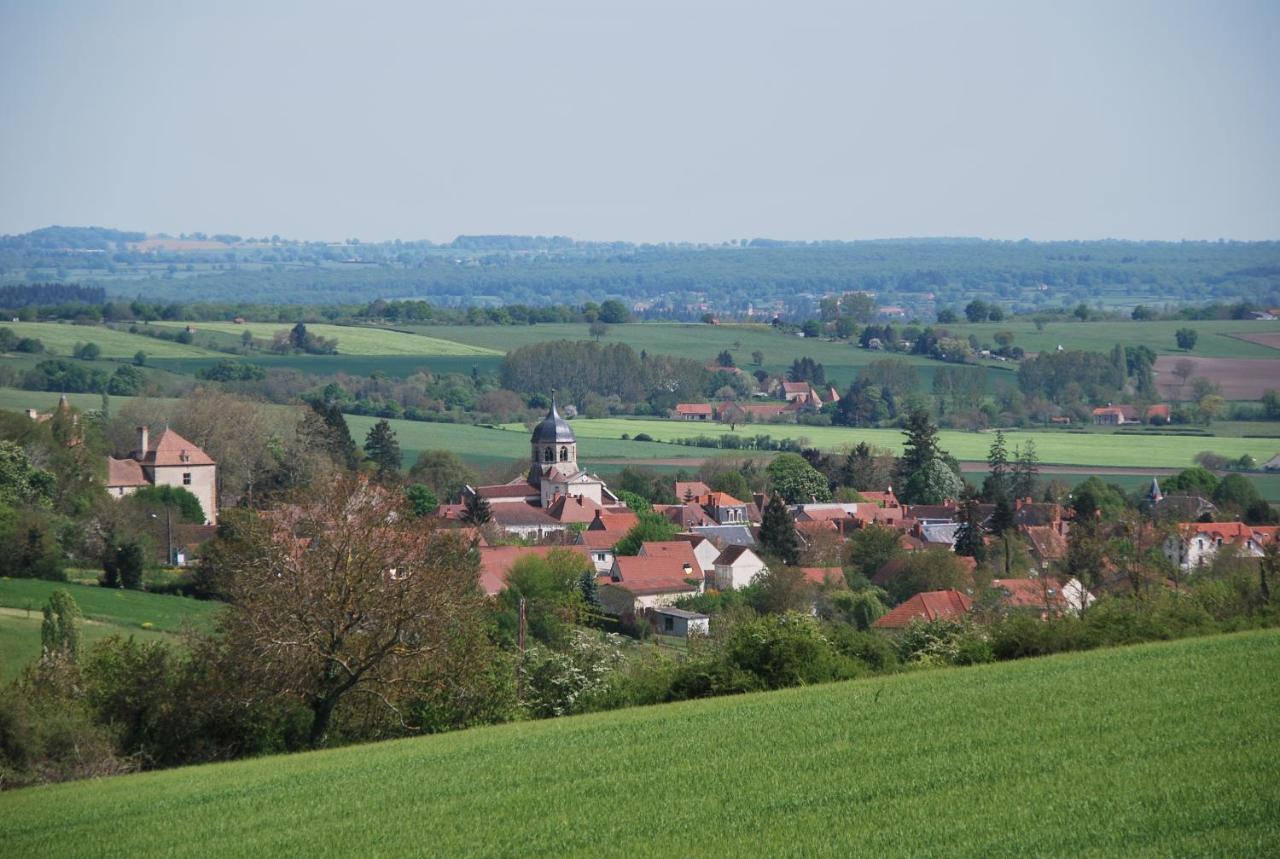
(556, 492)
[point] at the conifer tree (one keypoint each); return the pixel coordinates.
(383, 449)
(60, 629)
(996, 486)
(476, 510)
(778, 531)
(969, 536)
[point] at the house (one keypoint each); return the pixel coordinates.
(680, 623)
(1272, 464)
(690, 490)
(637, 583)
(823, 575)
(802, 391)
(724, 508)
(684, 516)
(1115, 415)
(599, 546)
(727, 535)
(703, 549)
(1158, 413)
(166, 459)
(736, 567)
(677, 550)
(692, 412)
(1196, 543)
(926, 607)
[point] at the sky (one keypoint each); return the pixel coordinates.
(646, 121)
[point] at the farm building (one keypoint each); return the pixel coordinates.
(678, 622)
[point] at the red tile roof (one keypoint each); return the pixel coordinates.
(928, 606)
(690, 489)
(124, 472)
(573, 508)
(822, 575)
(496, 562)
(677, 550)
(600, 539)
(1038, 594)
(169, 448)
(693, 409)
(660, 574)
(523, 489)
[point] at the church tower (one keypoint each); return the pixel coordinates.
(553, 446)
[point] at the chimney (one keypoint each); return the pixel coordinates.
(143, 438)
(688, 569)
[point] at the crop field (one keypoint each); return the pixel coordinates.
(60, 338)
(701, 343)
(1058, 448)
(1239, 378)
(1218, 338)
(1156, 750)
(1270, 339)
(352, 340)
(107, 612)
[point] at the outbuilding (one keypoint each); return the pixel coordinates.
(680, 623)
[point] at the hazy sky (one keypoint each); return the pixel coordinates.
(644, 121)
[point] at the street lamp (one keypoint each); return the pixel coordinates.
(168, 533)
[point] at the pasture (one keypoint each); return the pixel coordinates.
(1156, 750)
(60, 339)
(1053, 447)
(351, 340)
(106, 611)
(1218, 338)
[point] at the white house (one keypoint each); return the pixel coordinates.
(1196, 543)
(736, 567)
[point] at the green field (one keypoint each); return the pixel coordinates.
(1214, 336)
(1053, 447)
(702, 343)
(1157, 750)
(107, 612)
(398, 366)
(483, 445)
(60, 338)
(351, 340)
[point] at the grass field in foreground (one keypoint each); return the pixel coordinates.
(1059, 448)
(106, 612)
(59, 338)
(1157, 750)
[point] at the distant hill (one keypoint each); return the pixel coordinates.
(1157, 750)
(669, 280)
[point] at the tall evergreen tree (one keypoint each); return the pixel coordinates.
(1002, 525)
(1026, 471)
(921, 445)
(383, 449)
(60, 629)
(996, 486)
(335, 438)
(778, 531)
(969, 536)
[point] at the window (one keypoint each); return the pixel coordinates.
(548, 455)
(668, 624)
(564, 454)
(186, 478)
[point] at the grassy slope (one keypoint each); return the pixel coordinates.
(1053, 447)
(107, 612)
(1213, 341)
(351, 340)
(61, 337)
(702, 343)
(1155, 750)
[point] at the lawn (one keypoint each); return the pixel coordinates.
(352, 340)
(106, 612)
(60, 338)
(1156, 750)
(1055, 447)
